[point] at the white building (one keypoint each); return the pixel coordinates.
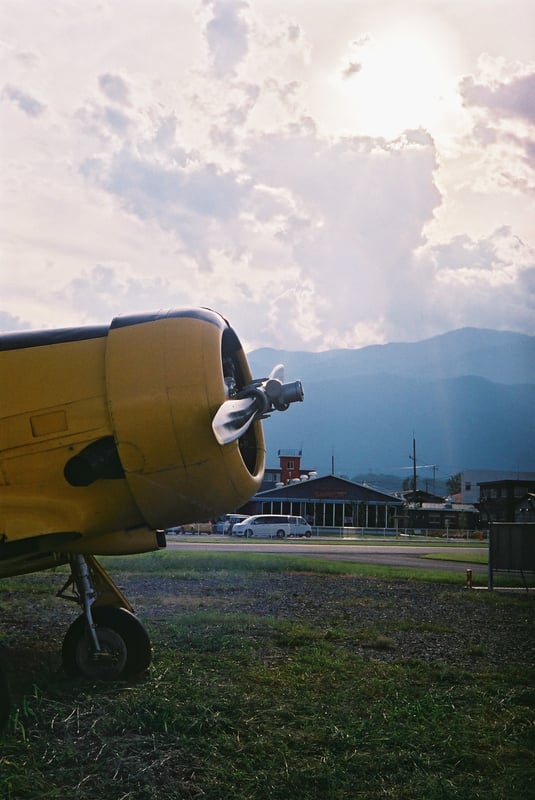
(471, 478)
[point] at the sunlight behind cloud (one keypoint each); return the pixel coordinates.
(400, 77)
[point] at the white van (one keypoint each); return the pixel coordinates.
(272, 526)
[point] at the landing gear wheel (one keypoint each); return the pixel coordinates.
(103, 666)
(125, 645)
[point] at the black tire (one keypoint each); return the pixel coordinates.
(248, 534)
(5, 698)
(123, 638)
(280, 534)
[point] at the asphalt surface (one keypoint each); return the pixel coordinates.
(389, 554)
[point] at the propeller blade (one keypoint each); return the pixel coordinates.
(277, 372)
(255, 401)
(233, 418)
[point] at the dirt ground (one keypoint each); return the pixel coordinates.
(427, 621)
(386, 620)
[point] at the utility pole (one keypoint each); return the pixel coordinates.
(413, 459)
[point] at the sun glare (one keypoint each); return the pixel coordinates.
(401, 77)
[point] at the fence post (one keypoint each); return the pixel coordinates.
(491, 557)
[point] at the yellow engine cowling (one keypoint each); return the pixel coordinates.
(162, 416)
(106, 431)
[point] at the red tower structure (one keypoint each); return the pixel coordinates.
(290, 464)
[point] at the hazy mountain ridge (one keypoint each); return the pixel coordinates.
(364, 406)
(500, 356)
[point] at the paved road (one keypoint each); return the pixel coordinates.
(397, 555)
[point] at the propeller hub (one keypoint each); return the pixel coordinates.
(255, 401)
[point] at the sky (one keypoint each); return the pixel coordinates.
(324, 173)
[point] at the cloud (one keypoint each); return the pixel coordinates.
(488, 280)
(352, 68)
(8, 322)
(512, 98)
(296, 204)
(226, 34)
(209, 170)
(115, 88)
(355, 212)
(28, 104)
(111, 288)
(496, 253)
(195, 202)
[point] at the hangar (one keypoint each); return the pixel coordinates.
(329, 502)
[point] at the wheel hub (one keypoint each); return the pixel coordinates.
(106, 664)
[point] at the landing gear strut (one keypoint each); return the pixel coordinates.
(106, 641)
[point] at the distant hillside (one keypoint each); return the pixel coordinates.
(468, 397)
(394, 483)
(498, 356)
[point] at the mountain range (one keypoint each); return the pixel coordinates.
(466, 397)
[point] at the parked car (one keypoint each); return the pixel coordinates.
(191, 527)
(219, 525)
(198, 527)
(175, 530)
(224, 524)
(272, 526)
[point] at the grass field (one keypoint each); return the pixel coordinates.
(250, 700)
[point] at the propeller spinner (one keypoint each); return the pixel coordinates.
(255, 401)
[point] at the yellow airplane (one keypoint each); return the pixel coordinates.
(108, 436)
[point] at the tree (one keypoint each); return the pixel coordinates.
(453, 484)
